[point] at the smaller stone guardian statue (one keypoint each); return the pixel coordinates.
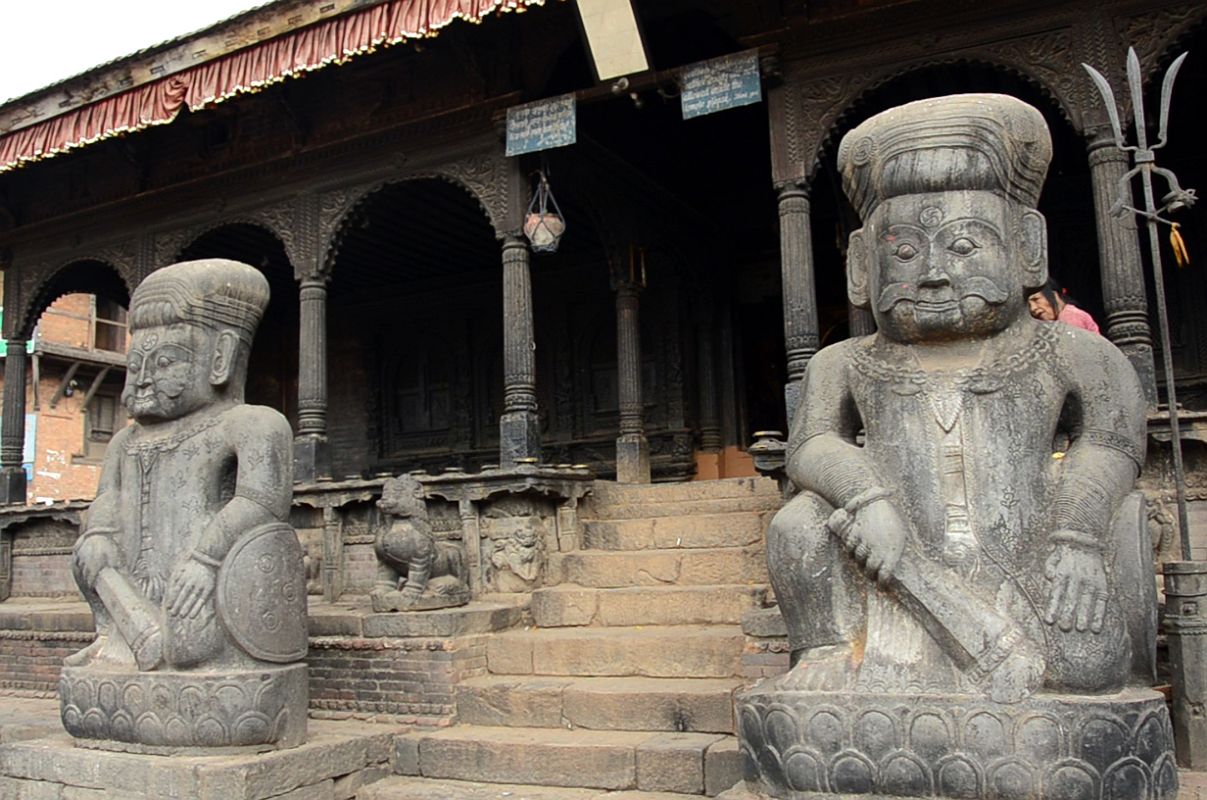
(187, 559)
(415, 571)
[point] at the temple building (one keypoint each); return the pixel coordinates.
(356, 152)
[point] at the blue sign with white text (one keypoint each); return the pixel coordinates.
(720, 84)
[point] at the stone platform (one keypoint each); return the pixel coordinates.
(337, 760)
(804, 744)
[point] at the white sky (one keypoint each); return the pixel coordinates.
(44, 41)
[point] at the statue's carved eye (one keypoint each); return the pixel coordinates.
(963, 246)
(163, 362)
(905, 251)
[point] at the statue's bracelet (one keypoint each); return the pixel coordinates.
(842, 518)
(1077, 539)
(202, 558)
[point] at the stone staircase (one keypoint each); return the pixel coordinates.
(622, 687)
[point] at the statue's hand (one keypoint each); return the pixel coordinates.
(1077, 588)
(93, 554)
(876, 538)
(191, 585)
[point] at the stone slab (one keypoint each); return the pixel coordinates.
(28, 718)
(359, 620)
(648, 509)
(722, 766)
(41, 614)
(666, 704)
(334, 750)
(609, 492)
(765, 623)
(412, 788)
(521, 702)
(568, 605)
(695, 530)
(685, 651)
(547, 757)
(673, 762)
(610, 569)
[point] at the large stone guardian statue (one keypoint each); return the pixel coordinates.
(193, 573)
(967, 587)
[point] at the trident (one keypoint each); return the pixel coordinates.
(1177, 198)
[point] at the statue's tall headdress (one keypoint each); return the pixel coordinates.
(990, 142)
(214, 292)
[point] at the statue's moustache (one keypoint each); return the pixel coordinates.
(976, 286)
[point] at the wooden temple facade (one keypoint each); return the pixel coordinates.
(411, 327)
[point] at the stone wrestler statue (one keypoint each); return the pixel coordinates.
(951, 552)
(198, 478)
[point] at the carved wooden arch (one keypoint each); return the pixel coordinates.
(826, 104)
(487, 178)
(41, 288)
(278, 221)
(1160, 36)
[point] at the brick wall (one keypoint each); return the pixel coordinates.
(30, 660)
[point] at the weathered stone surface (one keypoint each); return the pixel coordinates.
(569, 605)
(611, 569)
(963, 603)
(664, 704)
(722, 766)
(673, 762)
(435, 789)
(693, 530)
(672, 652)
(334, 750)
(520, 702)
(764, 623)
(607, 493)
(192, 571)
(28, 718)
(548, 757)
(442, 623)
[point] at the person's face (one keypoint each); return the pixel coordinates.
(944, 266)
(1040, 307)
(168, 371)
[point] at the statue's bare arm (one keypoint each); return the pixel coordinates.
(95, 548)
(824, 459)
(262, 444)
(1105, 406)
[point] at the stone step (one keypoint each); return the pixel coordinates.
(679, 508)
(682, 651)
(687, 763)
(696, 705)
(571, 605)
(689, 531)
(608, 569)
(612, 493)
(401, 788)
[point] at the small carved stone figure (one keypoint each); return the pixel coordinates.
(415, 571)
(969, 616)
(192, 571)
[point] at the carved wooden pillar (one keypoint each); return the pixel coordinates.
(632, 448)
(519, 431)
(311, 456)
(710, 419)
(860, 321)
(12, 427)
(1123, 292)
(800, 299)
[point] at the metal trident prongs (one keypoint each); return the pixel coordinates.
(1176, 198)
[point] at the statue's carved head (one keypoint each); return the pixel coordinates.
(947, 190)
(403, 497)
(191, 327)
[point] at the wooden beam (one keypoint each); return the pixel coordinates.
(58, 394)
(96, 384)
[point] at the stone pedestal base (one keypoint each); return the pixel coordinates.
(12, 486)
(798, 744)
(339, 758)
(311, 459)
(632, 459)
(185, 712)
(519, 437)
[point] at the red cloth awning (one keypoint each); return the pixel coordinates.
(249, 70)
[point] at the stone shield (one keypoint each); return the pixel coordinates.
(261, 594)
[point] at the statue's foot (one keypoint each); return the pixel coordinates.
(832, 667)
(89, 654)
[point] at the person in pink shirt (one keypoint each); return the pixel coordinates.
(1049, 304)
